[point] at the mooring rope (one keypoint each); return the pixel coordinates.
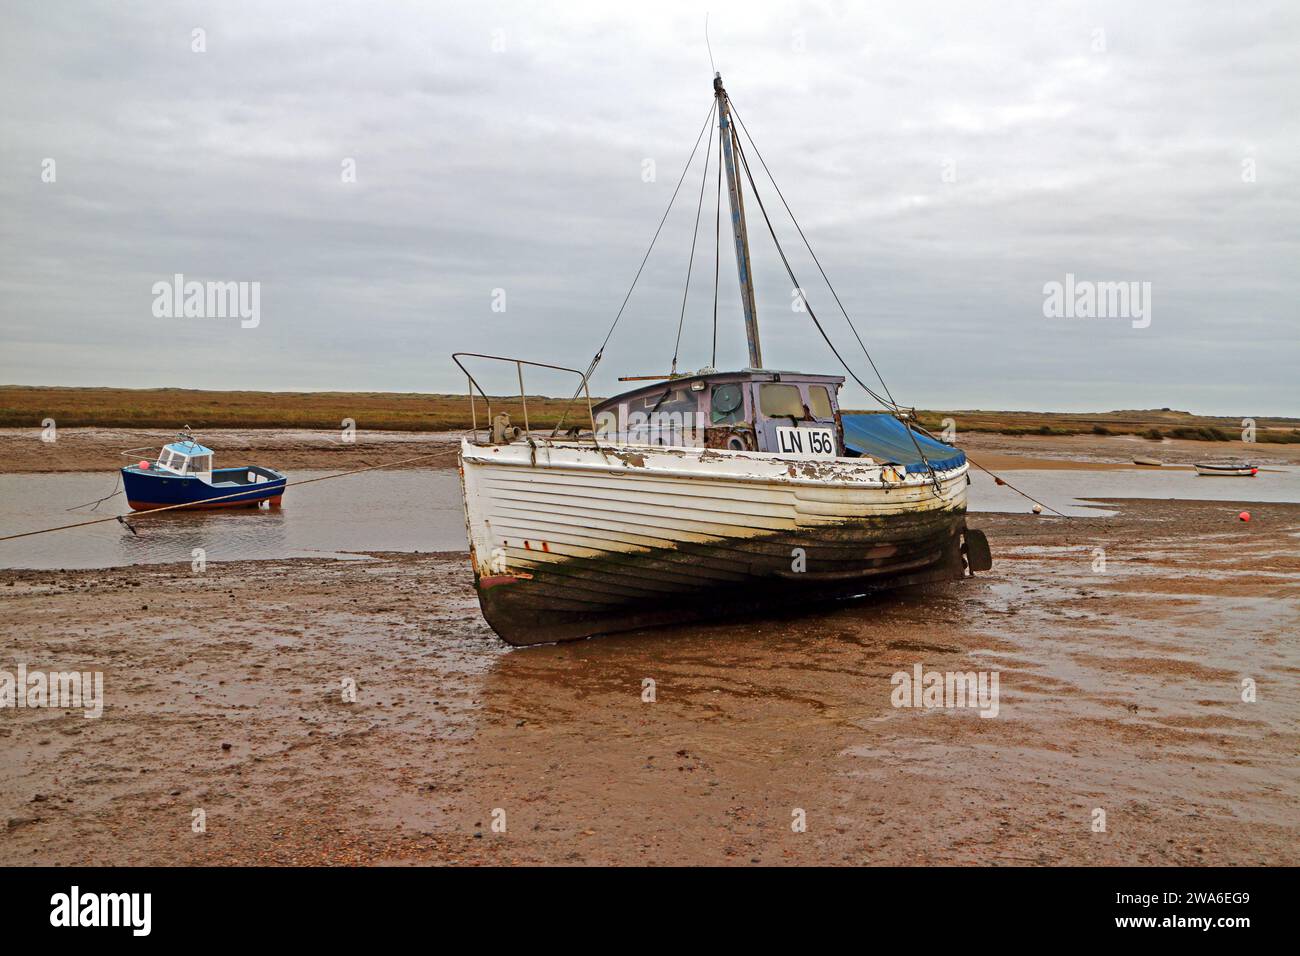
(1002, 481)
(191, 505)
(94, 505)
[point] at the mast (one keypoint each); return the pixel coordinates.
(727, 133)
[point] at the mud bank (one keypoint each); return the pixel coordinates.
(95, 449)
(1120, 691)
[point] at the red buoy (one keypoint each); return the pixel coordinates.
(1244, 516)
(144, 464)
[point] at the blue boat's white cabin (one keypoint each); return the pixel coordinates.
(186, 458)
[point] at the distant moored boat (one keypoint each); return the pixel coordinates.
(1234, 469)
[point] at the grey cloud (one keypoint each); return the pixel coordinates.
(521, 170)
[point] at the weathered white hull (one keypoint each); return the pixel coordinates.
(568, 540)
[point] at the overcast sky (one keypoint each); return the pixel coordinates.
(945, 159)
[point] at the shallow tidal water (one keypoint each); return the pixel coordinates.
(1069, 490)
(420, 510)
(409, 510)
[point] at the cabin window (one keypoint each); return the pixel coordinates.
(781, 401)
(728, 404)
(819, 400)
(201, 463)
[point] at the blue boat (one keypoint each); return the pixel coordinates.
(183, 475)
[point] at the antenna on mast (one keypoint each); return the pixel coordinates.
(708, 45)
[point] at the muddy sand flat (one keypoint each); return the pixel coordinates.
(1120, 690)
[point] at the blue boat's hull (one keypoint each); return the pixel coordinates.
(147, 489)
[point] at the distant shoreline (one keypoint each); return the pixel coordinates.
(170, 408)
(22, 450)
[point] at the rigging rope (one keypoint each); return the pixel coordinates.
(695, 235)
(887, 401)
(891, 402)
(595, 359)
(744, 162)
(825, 277)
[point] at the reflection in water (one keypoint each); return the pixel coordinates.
(418, 510)
(176, 535)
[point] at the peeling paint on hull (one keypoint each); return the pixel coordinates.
(569, 541)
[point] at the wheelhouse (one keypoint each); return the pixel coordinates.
(750, 410)
(187, 459)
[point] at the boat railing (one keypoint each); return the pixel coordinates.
(523, 394)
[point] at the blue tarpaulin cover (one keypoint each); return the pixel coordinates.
(884, 438)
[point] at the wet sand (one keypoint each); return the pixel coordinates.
(1119, 690)
(92, 449)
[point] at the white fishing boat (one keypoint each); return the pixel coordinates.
(705, 494)
(1229, 469)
